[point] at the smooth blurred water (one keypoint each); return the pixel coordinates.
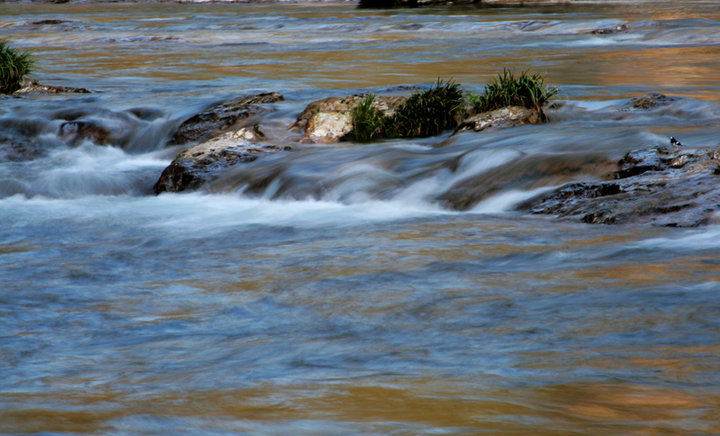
(344, 298)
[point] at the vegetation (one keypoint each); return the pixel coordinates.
(430, 112)
(423, 114)
(14, 66)
(527, 90)
(427, 113)
(368, 122)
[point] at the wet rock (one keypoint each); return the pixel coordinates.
(99, 126)
(329, 120)
(649, 101)
(94, 131)
(24, 140)
(203, 162)
(510, 116)
(522, 174)
(610, 30)
(655, 186)
(48, 22)
(32, 87)
(223, 117)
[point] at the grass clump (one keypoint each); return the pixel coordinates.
(527, 90)
(427, 113)
(423, 114)
(368, 122)
(14, 66)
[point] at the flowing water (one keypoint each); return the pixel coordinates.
(344, 298)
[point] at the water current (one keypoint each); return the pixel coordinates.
(344, 299)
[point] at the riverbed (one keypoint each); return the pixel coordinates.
(351, 301)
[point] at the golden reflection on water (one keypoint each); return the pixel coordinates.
(588, 408)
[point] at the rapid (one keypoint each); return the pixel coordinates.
(344, 297)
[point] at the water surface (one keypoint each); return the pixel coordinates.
(344, 298)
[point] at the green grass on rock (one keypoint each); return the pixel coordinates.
(14, 66)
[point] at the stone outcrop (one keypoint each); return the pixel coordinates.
(329, 120)
(522, 174)
(660, 186)
(510, 116)
(32, 87)
(205, 161)
(223, 117)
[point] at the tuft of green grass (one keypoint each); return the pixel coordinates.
(527, 90)
(427, 113)
(368, 122)
(14, 66)
(423, 114)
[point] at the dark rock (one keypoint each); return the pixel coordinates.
(525, 173)
(24, 140)
(329, 120)
(223, 117)
(102, 126)
(204, 162)
(651, 186)
(48, 22)
(649, 101)
(92, 130)
(610, 30)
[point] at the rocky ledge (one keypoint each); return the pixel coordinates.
(217, 119)
(203, 162)
(329, 120)
(33, 87)
(228, 133)
(663, 186)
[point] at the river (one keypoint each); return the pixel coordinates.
(351, 301)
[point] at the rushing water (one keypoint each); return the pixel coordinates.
(344, 299)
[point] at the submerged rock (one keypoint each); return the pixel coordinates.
(510, 116)
(656, 186)
(123, 129)
(223, 117)
(649, 101)
(329, 120)
(203, 162)
(522, 174)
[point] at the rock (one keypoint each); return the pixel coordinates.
(223, 117)
(48, 22)
(203, 162)
(100, 126)
(650, 186)
(500, 118)
(610, 30)
(327, 127)
(25, 139)
(522, 174)
(329, 120)
(649, 101)
(32, 87)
